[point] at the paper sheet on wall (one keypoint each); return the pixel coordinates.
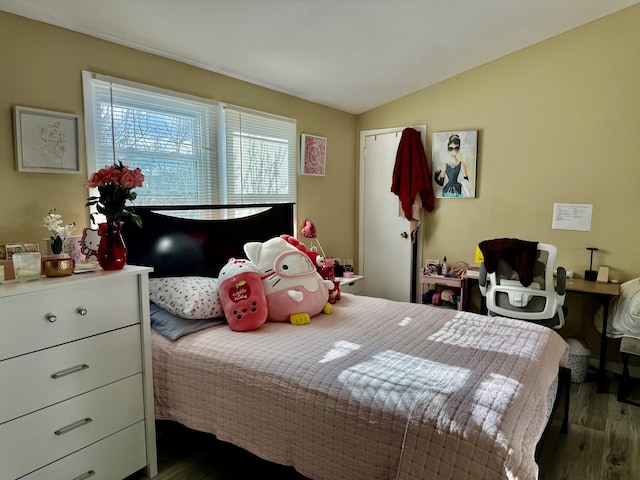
(572, 216)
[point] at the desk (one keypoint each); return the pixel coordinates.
(604, 292)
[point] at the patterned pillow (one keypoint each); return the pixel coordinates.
(194, 298)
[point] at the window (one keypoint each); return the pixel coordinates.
(174, 139)
(260, 158)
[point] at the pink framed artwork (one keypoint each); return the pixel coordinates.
(313, 155)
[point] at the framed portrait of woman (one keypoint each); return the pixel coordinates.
(455, 164)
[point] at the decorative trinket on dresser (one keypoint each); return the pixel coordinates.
(27, 266)
(58, 267)
(115, 184)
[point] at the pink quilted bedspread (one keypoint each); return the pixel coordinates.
(377, 390)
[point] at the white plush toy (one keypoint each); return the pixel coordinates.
(293, 288)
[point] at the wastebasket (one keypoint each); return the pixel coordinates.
(579, 354)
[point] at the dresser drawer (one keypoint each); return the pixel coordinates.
(38, 439)
(115, 457)
(27, 323)
(34, 381)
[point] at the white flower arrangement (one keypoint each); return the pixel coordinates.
(53, 223)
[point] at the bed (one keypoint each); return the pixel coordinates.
(376, 390)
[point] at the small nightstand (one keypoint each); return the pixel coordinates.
(354, 285)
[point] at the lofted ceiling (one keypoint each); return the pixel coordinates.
(352, 55)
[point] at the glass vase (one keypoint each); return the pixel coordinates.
(112, 252)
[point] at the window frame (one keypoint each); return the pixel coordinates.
(220, 184)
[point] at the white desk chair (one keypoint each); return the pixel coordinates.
(541, 302)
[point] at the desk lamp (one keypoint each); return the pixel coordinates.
(591, 275)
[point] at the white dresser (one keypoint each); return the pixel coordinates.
(76, 391)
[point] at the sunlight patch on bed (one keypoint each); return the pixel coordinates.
(458, 329)
(468, 329)
(396, 380)
(487, 413)
(405, 321)
(340, 349)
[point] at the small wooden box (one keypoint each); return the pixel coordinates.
(9, 273)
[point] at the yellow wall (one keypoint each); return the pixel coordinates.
(41, 68)
(557, 122)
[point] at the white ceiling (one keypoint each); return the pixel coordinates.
(353, 55)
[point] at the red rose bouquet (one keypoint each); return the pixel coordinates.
(115, 184)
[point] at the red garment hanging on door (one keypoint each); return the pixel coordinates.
(411, 175)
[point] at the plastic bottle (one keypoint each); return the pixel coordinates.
(444, 266)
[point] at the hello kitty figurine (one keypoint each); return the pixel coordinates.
(90, 243)
(293, 288)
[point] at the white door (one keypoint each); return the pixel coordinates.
(386, 253)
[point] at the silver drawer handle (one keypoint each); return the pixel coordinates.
(82, 311)
(69, 371)
(73, 426)
(51, 317)
(84, 476)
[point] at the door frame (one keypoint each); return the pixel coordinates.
(416, 255)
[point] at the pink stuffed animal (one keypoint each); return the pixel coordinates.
(293, 288)
(295, 242)
(242, 295)
(324, 268)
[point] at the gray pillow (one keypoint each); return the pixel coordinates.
(174, 327)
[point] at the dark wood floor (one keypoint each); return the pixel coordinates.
(185, 454)
(604, 436)
(603, 443)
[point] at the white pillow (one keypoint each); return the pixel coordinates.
(194, 298)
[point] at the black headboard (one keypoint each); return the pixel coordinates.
(199, 240)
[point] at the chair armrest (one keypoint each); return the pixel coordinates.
(482, 279)
(561, 282)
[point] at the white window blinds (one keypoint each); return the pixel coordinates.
(191, 150)
(260, 153)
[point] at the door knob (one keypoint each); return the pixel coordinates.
(404, 235)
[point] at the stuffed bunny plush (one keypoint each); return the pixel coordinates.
(293, 288)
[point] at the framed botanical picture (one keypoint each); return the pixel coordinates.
(46, 142)
(313, 155)
(455, 164)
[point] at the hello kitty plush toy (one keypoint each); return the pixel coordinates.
(293, 288)
(242, 295)
(295, 242)
(324, 268)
